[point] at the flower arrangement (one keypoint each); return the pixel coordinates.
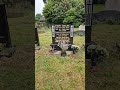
(97, 50)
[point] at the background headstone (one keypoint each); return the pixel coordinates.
(4, 28)
(112, 5)
(82, 27)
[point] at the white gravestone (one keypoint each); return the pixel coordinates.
(82, 27)
(81, 30)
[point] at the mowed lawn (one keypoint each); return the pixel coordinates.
(53, 72)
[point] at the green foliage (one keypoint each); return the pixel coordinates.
(64, 12)
(37, 17)
(70, 16)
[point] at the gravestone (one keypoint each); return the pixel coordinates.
(81, 30)
(4, 28)
(36, 37)
(88, 20)
(88, 25)
(62, 37)
(5, 40)
(112, 5)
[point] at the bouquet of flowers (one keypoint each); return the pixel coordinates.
(98, 50)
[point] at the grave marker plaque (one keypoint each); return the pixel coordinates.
(4, 28)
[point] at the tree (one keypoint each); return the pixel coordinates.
(64, 12)
(37, 17)
(44, 1)
(75, 15)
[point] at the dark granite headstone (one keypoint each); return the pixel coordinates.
(88, 24)
(88, 20)
(62, 34)
(4, 28)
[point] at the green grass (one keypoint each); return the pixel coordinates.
(53, 72)
(98, 7)
(106, 75)
(17, 72)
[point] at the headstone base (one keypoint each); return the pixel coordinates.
(67, 52)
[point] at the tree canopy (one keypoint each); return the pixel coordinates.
(64, 12)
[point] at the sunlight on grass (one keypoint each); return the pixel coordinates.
(54, 72)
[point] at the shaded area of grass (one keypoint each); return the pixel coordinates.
(98, 7)
(106, 75)
(53, 72)
(17, 72)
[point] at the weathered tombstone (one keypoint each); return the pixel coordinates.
(5, 39)
(82, 29)
(36, 37)
(112, 5)
(4, 28)
(62, 37)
